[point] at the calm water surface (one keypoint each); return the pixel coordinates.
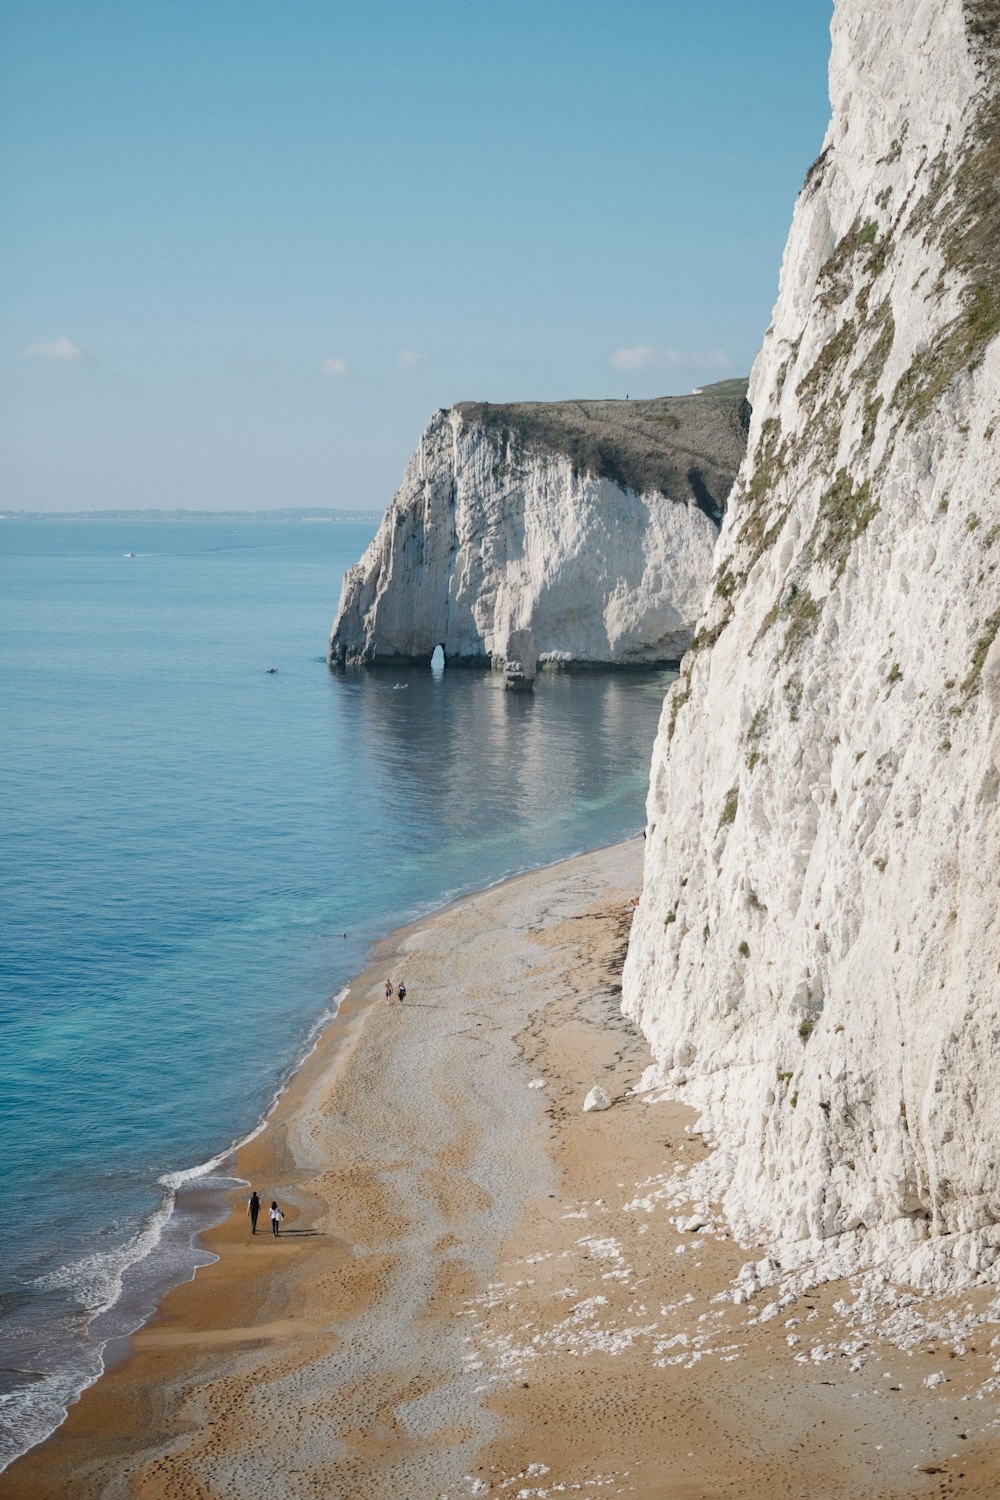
(185, 838)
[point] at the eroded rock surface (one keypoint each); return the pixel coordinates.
(816, 957)
(579, 532)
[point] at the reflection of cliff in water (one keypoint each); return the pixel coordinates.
(467, 757)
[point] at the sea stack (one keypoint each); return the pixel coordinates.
(569, 533)
(816, 957)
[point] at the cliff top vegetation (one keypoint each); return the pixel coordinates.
(687, 447)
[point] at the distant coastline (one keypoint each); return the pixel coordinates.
(293, 514)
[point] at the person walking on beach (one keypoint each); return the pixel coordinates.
(388, 989)
(276, 1218)
(401, 991)
(253, 1209)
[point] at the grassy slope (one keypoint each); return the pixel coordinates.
(687, 447)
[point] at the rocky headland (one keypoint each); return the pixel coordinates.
(566, 533)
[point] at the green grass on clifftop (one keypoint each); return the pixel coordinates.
(687, 447)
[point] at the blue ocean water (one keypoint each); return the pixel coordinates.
(185, 837)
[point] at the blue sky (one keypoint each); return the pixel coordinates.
(249, 248)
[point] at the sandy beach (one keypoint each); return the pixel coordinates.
(480, 1289)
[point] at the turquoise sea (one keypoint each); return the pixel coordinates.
(185, 838)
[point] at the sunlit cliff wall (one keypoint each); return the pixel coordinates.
(816, 958)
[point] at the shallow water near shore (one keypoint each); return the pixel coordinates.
(187, 837)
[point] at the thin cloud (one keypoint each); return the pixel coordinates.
(642, 357)
(60, 349)
(649, 357)
(409, 359)
(335, 369)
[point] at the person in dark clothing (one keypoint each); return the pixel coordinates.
(253, 1209)
(401, 991)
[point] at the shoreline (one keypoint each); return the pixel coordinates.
(211, 1181)
(221, 1201)
(478, 1284)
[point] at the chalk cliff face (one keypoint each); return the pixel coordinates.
(816, 958)
(571, 532)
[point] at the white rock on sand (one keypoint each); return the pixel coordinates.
(596, 1099)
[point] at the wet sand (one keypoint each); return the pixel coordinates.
(479, 1289)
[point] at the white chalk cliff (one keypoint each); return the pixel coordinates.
(816, 956)
(572, 532)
